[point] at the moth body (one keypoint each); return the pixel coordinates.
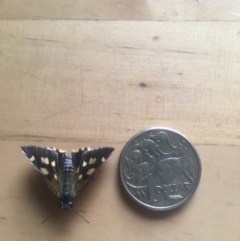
(67, 181)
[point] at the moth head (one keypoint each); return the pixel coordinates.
(66, 205)
(66, 201)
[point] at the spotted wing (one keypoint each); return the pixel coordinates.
(87, 161)
(45, 161)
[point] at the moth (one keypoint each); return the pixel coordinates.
(66, 174)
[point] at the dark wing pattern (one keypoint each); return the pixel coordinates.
(87, 161)
(45, 161)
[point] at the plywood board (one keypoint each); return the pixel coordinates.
(121, 10)
(105, 81)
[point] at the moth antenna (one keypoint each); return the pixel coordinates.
(49, 216)
(80, 215)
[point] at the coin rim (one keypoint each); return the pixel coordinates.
(147, 205)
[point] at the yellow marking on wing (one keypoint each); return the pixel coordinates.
(44, 171)
(92, 161)
(62, 151)
(90, 171)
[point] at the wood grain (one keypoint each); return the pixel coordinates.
(211, 214)
(87, 80)
(92, 73)
(121, 10)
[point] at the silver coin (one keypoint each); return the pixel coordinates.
(159, 168)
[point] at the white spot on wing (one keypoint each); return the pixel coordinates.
(80, 177)
(90, 171)
(55, 177)
(92, 161)
(42, 159)
(46, 161)
(78, 169)
(103, 159)
(53, 163)
(84, 164)
(44, 171)
(89, 148)
(32, 158)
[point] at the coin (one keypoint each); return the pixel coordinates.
(159, 168)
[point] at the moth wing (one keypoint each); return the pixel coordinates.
(46, 162)
(87, 162)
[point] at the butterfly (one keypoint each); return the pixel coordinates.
(66, 174)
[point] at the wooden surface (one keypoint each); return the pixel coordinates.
(211, 214)
(121, 9)
(76, 81)
(88, 80)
